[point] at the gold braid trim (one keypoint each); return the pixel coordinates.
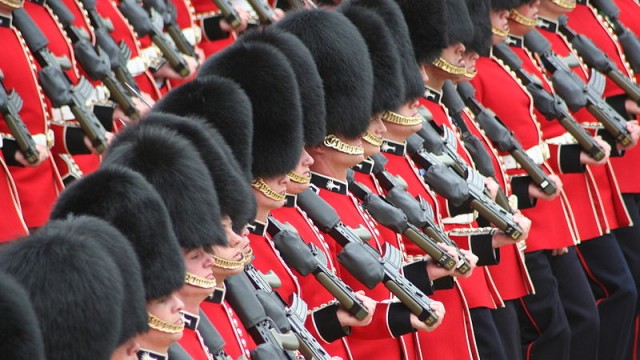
(448, 67)
(334, 142)
(372, 139)
(161, 325)
(297, 178)
(499, 32)
(567, 4)
(14, 4)
(197, 281)
(232, 264)
(517, 16)
(266, 190)
(394, 118)
(470, 74)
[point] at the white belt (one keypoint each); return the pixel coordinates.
(138, 65)
(538, 154)
(62, 114)
(461, 219)
(592, 125)
(152, 54)
(564, 139)
(193, 35)
(99, 95)
(47, 139)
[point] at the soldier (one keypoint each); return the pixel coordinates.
(55, 262)
(120, 196)
(217, 32)
(346, 75)
(20, 323)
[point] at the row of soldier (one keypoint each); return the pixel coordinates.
(378, 179)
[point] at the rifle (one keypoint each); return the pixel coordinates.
(57, 85)
(481, 158)
(393, 218)
(212, 338)
(94, 61)
(168, 12)
(10, 105)
(550, 105)
(229, 12)
(628, 40)
(417, 210)
(598, 60)
(295, 314)
(142, 25)
(504, 139)
(363, 261)
(575, 92)
(308, 259)
(241, 295)
(265, 13)
(441, 142)
(476, 197)
(118, 55)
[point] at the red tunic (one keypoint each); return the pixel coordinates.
(12, 224)
(584, 20)
(38, 187)
(237, 340)
(204, 8)
(552, 221)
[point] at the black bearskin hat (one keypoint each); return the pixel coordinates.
(20, 336)
(75, 288)
(428, 27)
(170, 163)
(309, 82)
(504, 4)
(393, 18)
(266, 76)
(223, 104)
(234, 191)
(128, 202)
(388, 86)
(481, 41)
(342, 59)
(460, 28)
(133, 313)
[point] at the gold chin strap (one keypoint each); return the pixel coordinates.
(398, 119)
(197, 281)
(232, 264)
(499, 32)
(448, 67)
(470, 74)
(266, 190)
(567, 4)
(163, 326)
(14, 4)
(516, 16)
(372, 139)
(297, 178)
(334, 142)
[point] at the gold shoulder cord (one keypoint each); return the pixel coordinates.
(395, 118)
(335, 143)
(163, 326)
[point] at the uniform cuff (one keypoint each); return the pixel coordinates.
(520, 188)
(609, 139)
(74, 141)
(326, 321)
(570, 159)
(617, 103)
(444, 283)
(9, 150)
(482, 247)
(399, 319)
(104, 113)
(211, 28)
(417, 274)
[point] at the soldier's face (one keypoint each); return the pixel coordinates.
(199, 263)
(470, 60)
(528, 10)
(399, 132)
(238, 246)
(303, 169)
(277, 184)
(499, 20)
(167, 309)
(377, 128)
(548, 8)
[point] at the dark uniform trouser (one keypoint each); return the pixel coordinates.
(615, 293)
(506, 320)
(629, 241)
(560, 320)
(488, 340)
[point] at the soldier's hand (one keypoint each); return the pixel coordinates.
(279, 14)
(472, 259)
(631, 107)
(492, 186)
(634, 130)
(435, 271)
(500, 239)
(537, 193)
(167, 72)
(108, 135)
(560, 251)
(346, 319)
(244, 22)
(585, 159)
(439, 310)
(43, 155)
